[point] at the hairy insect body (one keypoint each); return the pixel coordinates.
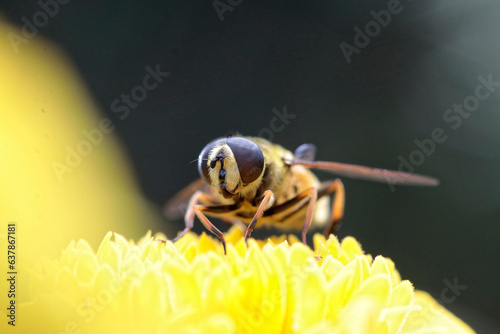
(251, 180)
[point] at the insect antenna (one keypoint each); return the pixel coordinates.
(195, 160)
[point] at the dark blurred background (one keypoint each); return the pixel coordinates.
(230, 67)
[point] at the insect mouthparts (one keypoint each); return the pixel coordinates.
(225, 193)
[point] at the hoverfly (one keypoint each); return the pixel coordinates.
(251, 180)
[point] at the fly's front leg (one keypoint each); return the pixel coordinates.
(338, 202)
(268, 195)
(189, 215)
(197, 209)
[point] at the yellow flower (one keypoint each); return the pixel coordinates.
(277, 286)
(150, 287)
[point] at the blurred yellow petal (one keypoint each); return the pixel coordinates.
(380, 266)
(377, 287)
(350, 248)
(361, 316)
(433, 317)
(400, 304)
(86, 266)
(63, 174)
(108, 252)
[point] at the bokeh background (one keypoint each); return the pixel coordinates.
(228, 70)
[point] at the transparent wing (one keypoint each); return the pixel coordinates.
(367, 173)
(176, 207)
(305, 152)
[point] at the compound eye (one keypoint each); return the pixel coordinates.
(203, 159)
(248, 156)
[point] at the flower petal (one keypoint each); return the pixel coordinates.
(191, 286)
(433, 318)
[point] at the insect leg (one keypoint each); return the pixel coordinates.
(296, 204)
(336, 186)
(195, 208)
(189, 216)
(209, 226)
(268, 194)
(312, 193)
